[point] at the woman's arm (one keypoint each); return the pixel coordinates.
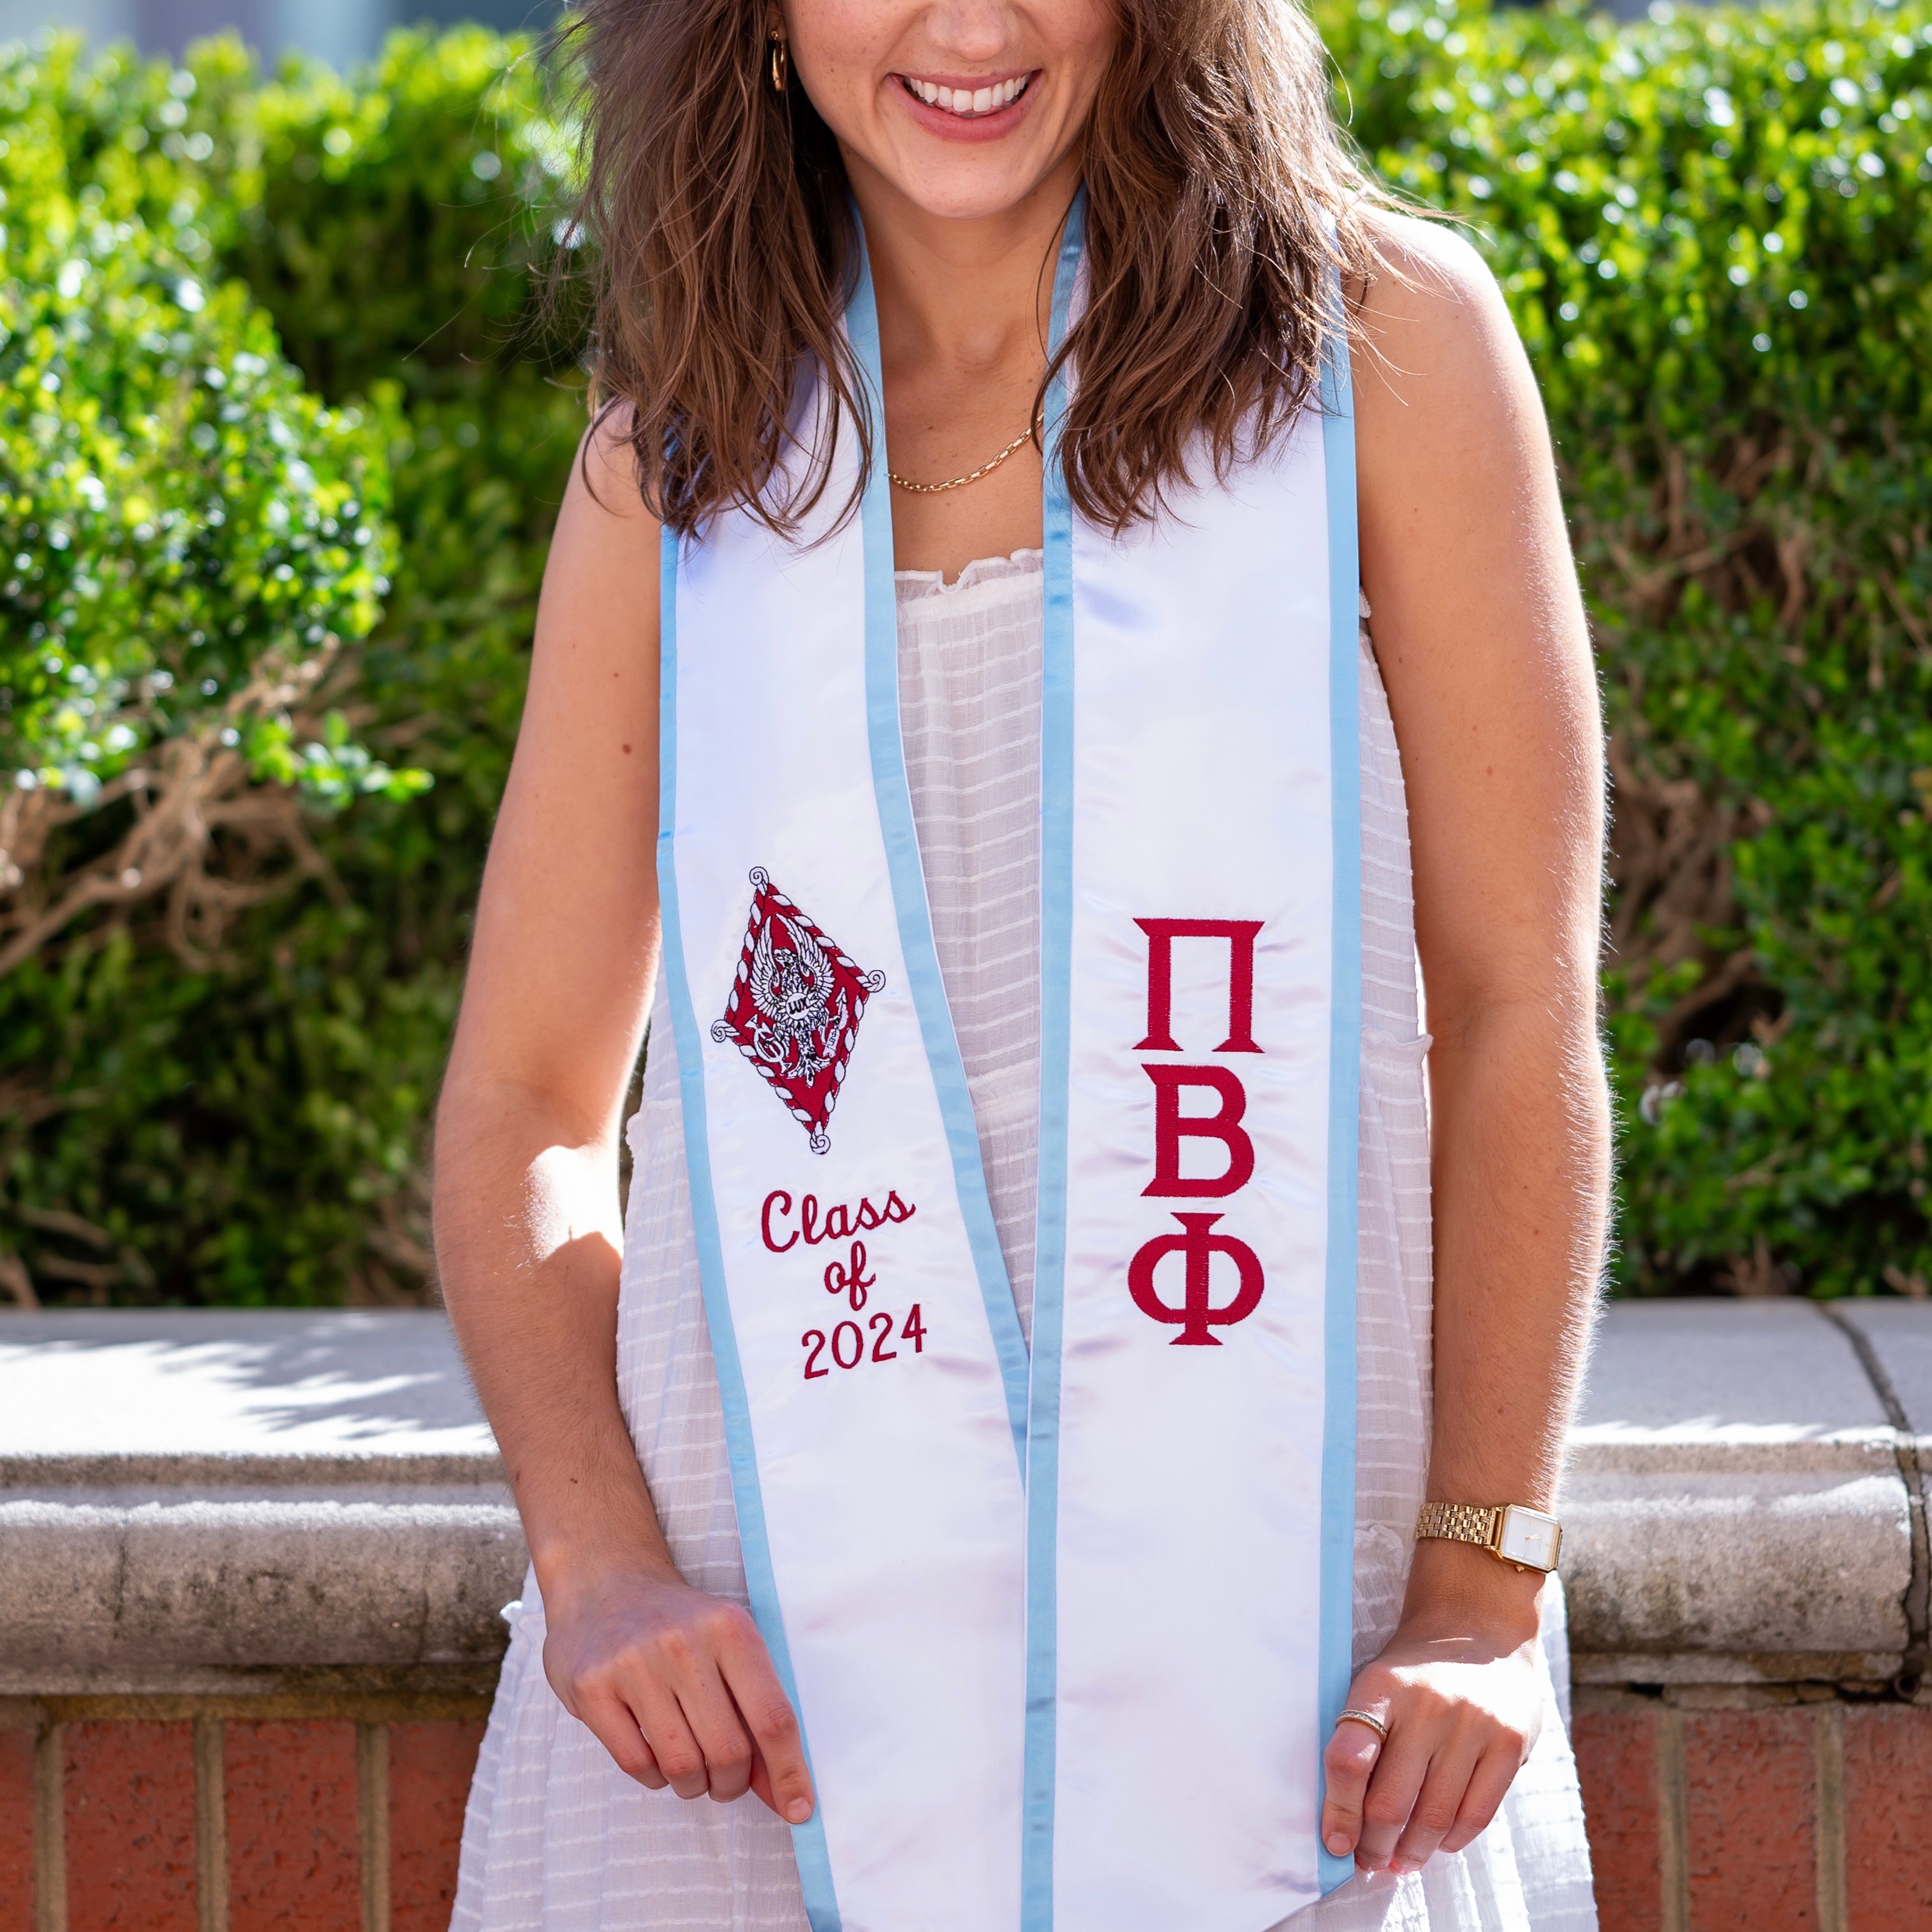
(676, 1685)
(1480, 631)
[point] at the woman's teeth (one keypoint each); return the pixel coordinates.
(969, 101)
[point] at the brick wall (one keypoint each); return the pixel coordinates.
(312, 1814)
(1728, 1811)
(1709, 1811)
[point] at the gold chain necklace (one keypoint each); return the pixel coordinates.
(971, 476)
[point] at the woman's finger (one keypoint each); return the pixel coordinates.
(1347, 1763)
(713, 1719)
(728, 1753)
(1394, 1787)
(1488, 1787)
(780, 1775)
(1438, 1804)
(608, 1719)
(680, 1756)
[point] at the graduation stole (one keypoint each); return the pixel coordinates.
(1066, 1633)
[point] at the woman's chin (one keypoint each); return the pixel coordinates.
(967, 206)
(974, 168)
(969, 184)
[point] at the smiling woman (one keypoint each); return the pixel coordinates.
(1132, 1533)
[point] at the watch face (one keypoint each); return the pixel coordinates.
(1529, 1538)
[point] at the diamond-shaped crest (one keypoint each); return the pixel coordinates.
(795, 1007)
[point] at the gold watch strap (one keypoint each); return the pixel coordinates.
(1459, 1522)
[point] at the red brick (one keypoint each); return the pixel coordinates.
(1888, 1802)
(294, 1851)
(1616, 1764)
(1750, 1783)
(430, 1768)
(16, 1828)
(130, 1799)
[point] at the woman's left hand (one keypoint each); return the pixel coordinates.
(1461, 1693)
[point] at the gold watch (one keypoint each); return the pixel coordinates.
(1512, 1532)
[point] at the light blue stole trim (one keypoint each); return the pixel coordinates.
(1345, 1057)
(1056, 961)
(908, 878)
(814, 1861)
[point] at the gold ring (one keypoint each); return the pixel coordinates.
(1368, 1718)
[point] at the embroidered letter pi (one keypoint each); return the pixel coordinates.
(795, 1003)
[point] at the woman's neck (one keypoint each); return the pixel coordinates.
(962, 292)
(964, 309)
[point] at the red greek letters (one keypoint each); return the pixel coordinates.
(1196, 1312)
(1171, 1127)
(840, 1224)
(1240, 935)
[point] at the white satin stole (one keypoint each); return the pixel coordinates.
(1010, 1594)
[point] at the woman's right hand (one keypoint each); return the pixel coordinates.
(678, 1687)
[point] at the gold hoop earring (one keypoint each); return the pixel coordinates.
(781, 63)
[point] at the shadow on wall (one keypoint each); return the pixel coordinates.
(341, 31)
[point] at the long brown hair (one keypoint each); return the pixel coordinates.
(1220, 203)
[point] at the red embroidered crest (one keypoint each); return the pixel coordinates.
(795, 1008)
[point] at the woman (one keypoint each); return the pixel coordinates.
(1025, 1302)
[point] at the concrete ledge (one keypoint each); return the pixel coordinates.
(194, 1503)
(1740, 1508)
(405, 1575)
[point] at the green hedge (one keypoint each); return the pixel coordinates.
(258, 1134)
(180, 515)
(1714, 229)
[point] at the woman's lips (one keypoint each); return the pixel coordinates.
(967, 99)
(959, 107)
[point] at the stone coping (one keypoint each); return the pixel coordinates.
(1743, 1504)
(197, 1500)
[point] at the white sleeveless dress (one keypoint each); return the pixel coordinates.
(556, 1839)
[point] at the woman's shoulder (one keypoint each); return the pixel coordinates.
(1436, 358)
(1428, 295)
(1408, 249)
(604, 474)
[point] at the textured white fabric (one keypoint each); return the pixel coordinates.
(969, 701)
(556, 1839)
